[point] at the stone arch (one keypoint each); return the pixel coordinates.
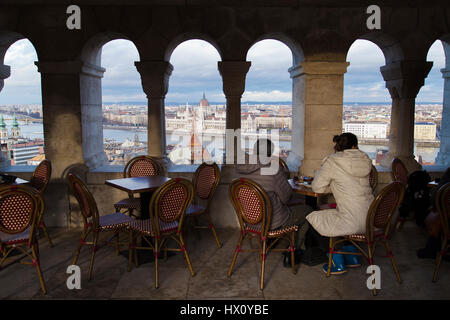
(92, 49)
(175, 42)
(391, 48)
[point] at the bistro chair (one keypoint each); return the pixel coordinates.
(21, 210)
(168, 207)
(140, 166)
(399, 173)
(373, 178)
(205, 182)
(93, 222)
(254, 211)
(39, 181)
(443, 207)
(378, 224)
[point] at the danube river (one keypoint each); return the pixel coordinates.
(35, 130)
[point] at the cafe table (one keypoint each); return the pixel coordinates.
(16, 182)
(306, 190)
(142, 185)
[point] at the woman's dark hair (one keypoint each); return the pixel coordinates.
(347, 140)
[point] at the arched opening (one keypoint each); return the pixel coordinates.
(430, 137)
(195, 110)
(21, 118)
(367, 102)
(266, 108)
(124, 105)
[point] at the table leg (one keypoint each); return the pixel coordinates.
(145, 203)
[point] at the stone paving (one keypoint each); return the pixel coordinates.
(112, 281)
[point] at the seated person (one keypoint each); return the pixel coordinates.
(279, 192)
(346, 173)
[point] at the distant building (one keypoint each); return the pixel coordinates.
(367, 130)
(424, 131)
(36, 160)
(20, 153)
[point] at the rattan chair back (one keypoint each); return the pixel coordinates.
(19, 209)
(251, 205)
(399, 171)
(170, 202)
(41, 176)
(86, 201)
(443, 207)
(383, 207)
(142, 166)
(205, 181)
(373, 178)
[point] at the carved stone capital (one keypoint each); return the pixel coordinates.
(233, 77)
(155, 77)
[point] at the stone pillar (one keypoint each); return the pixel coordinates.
(295, 158)
(72, 109)
(443, 157)
(5, 72)
(233, 80)
(323, 88)
(403, 80)
(155, 83)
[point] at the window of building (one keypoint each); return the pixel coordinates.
(266, 108)
(21, 121)
(124, 103)
(367, 102)
(195, 109)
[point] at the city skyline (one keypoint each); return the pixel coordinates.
(195, 72)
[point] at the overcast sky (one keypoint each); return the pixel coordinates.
(195, 71)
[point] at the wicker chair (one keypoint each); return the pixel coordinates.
(443, 207)
(167, 211)
(399, 173)
(254, 211)
(21, 210)
(93, 223)
(39, 181)
(140, 166)
(205, 182)
(373, 178)
(378, 224)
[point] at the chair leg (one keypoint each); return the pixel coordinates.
(130, 249)
(370, 254)
(94, 249)
(294, 271)
(230, 270)
(263, 263)
(186, 255)
(156, 253)
(394, 265)
(439, 259)
(44, 229)
(330, 256)
(77, 252)
(211, 226)
(36, 262)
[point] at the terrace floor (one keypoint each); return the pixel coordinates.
(112, 281)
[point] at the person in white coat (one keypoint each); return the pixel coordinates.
(346, 174)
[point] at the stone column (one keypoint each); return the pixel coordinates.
(233, 79)
(296, 154)
(322, 85)
(403, 80)
(5, 72)
(443, 157)
(155, 83)
(72, 109)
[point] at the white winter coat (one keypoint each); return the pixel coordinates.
(347, 174)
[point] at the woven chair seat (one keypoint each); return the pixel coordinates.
(145, 226)
(9, 239)
(295, 201)
(128, 203)
(195, 209)
(272, 233)
(362, 237)
(114, 221)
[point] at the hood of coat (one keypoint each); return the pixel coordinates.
(353, 161)
(248, 168)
